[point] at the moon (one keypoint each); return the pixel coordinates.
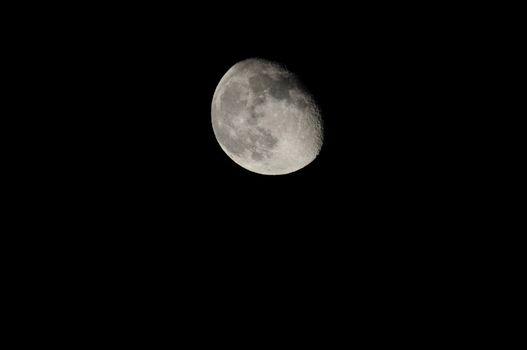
(264, 119)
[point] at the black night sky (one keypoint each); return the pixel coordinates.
(140, 166)
(144, 111)
(139, 210)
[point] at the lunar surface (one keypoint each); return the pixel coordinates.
(265, 120)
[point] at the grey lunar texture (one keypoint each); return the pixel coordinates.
(265, 120)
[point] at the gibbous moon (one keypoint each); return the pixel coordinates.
(265, 120)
